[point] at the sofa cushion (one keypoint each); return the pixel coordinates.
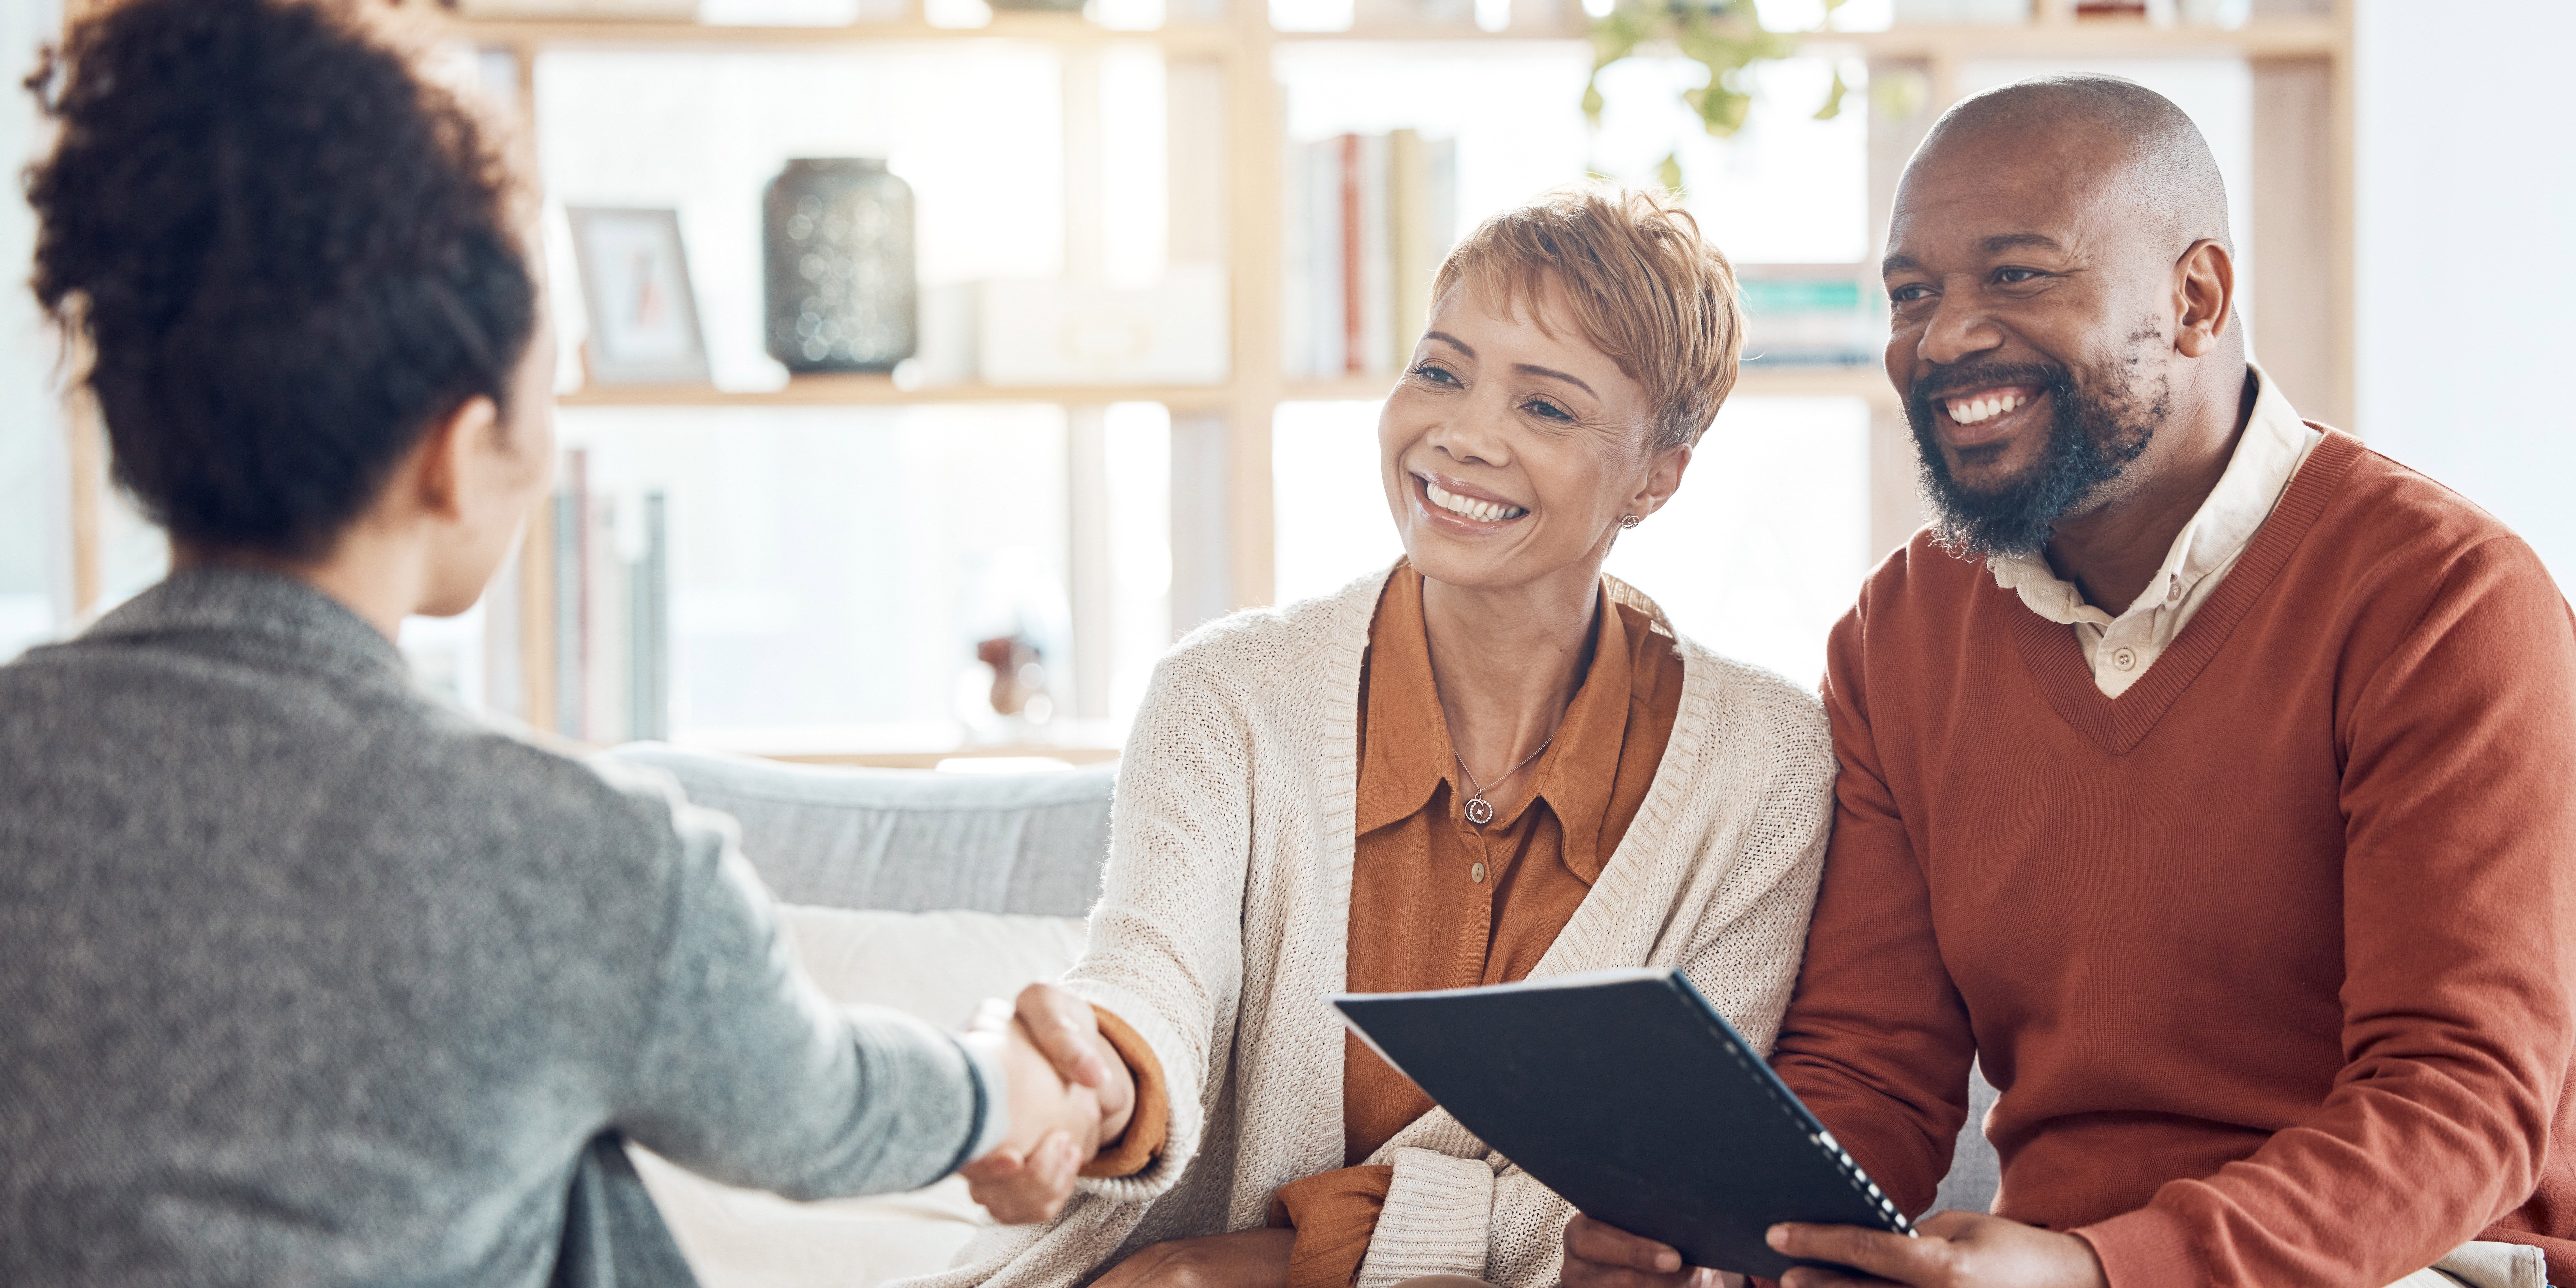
(907, 840)
(936, 965)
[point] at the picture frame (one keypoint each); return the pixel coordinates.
(635, 287)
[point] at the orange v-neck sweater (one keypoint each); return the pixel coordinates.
(2273, 956)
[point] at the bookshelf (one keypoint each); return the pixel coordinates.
(881, 391)
(2299, 52)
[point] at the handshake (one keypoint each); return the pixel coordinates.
(1070, 1095)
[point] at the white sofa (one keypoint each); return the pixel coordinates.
(926, 892)
(921, 891)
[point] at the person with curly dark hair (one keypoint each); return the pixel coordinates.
(305, 977)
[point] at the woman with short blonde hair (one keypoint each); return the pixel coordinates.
(1485, 763)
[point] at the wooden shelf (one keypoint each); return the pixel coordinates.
(1863, 380)
(1411, 33)
(1753, 381)
(2263, 37)
(1098, 755)
(880, 391)
(1197, 39)
(2266, 37)
(1756, 381)
(911, 746)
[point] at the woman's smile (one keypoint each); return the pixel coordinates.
(1460, 507)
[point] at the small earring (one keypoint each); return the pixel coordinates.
(1627, 521)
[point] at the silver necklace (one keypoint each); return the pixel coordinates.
(1479, 810)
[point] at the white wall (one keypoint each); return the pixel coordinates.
(35, 593)
(2466, 209)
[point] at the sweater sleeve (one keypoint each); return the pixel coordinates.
(1876, 1041)
(749, 1075)
(2458, 966)
(1166, 943)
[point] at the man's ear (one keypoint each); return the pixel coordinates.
(1663, 478)
(2205, 289)
(442, 462)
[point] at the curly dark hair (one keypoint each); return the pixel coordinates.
(290, 253)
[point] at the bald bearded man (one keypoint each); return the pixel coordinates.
(2203, 773)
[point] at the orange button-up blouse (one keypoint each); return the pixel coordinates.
(1437, 902)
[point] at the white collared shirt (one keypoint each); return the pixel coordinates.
(2120, 649)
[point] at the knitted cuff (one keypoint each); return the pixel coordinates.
(1151, 1124)
(2147, 1246)
(1177, 1067)
(2483, 1264)
(992, 1106)
(1435, 1220)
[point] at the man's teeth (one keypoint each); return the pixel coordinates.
(1469, 507)
(1968, 411)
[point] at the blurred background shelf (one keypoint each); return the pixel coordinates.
(1190, 39)
(1753, 380)
(2262, 36)
(881, 391)
(845, 526)
(813, 566)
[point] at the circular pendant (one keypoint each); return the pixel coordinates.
(1479, 810)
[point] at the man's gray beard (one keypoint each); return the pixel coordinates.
(2090, 446)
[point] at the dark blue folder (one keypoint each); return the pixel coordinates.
(1629, 1095)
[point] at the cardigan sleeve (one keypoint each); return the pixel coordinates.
(1334, 1214)
(2458, 967)
(1456, 1207)
(1166, 950)
(1152, 1117)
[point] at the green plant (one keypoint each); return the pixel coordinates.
(1725, 36)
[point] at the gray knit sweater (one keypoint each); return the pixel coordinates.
(306, 978)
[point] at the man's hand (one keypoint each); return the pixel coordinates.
(1243, 1259)
(1055, 1126)
(1953, 1250)
(1605, 1256)
(1064, 1027)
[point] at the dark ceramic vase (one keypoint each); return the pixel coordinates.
(836, 236)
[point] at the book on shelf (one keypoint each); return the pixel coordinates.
(1809, 315)
(1367, 219)
(611, 584)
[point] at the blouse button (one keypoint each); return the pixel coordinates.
(1477, 874)
(2126, 659)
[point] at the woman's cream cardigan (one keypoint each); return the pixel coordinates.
(1222, 928)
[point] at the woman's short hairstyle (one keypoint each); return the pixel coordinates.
(290, 254)
(1641, 284)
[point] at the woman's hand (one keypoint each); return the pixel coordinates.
(1065, 1028)
(1054, 1125)
(1069, 1094)
(1243, 1259)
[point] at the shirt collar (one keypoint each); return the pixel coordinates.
(1580, 768)
(1409, 755)
(2267, 455)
